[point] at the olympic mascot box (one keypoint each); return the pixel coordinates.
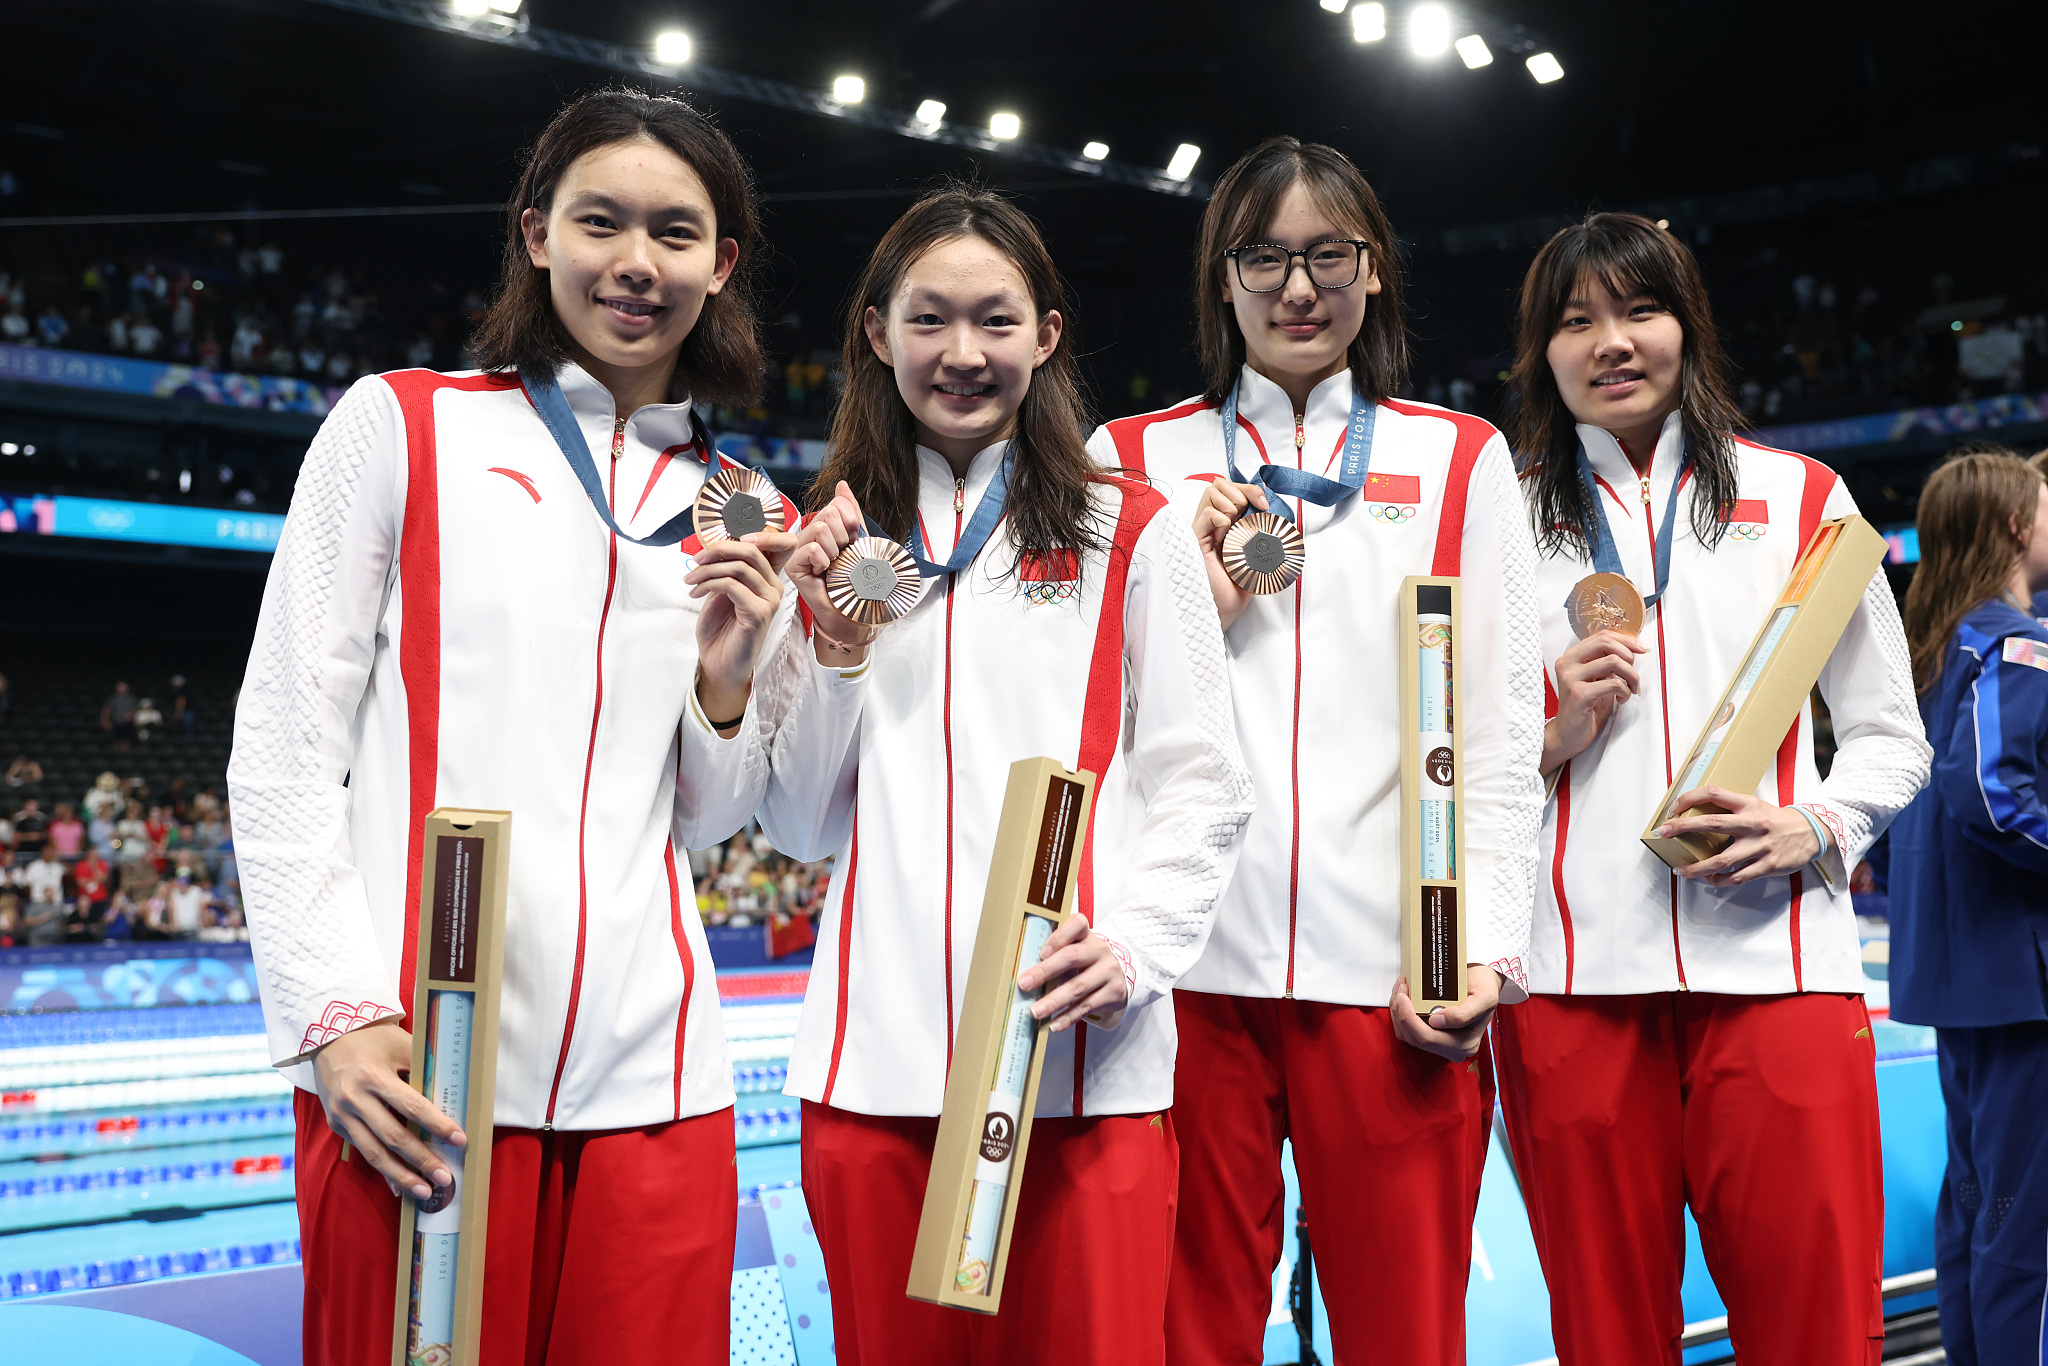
(1432, 793)
(459, 968)
(1761, 703)
(970, 1202)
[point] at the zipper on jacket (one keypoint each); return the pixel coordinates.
(959, 510)
(589, 764)
(1664, 707)
(1294, 748)
(618, 437)
(1300, 437)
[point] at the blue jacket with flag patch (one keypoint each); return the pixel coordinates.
(1969, 860)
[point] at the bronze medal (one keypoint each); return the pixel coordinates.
(1604, 602)
(874, 581)
(1263, 552)
(736, 502)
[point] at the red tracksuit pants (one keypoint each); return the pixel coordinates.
(1086, 1283)
(1389, 1143)
(604, 1247)
(1760, 1112)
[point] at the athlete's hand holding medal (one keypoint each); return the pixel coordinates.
(1248, 549)
(854, 583)
(1597, 675)
(739, 520)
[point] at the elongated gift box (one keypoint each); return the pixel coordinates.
(970, 1201)
(459, 968)
(1761, 703)
(1432, 795)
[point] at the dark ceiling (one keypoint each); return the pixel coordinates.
(219, 104)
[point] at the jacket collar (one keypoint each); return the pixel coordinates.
(658, 426)
(936, 487)
(1266, 406)
(1613, 466)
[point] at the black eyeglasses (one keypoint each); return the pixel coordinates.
(1263, 268)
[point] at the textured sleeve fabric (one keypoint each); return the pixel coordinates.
(1990, 774)
(1881, 750)
(720, 781)
(1102, 446)
(321, 971)
(1183, 752)
(814, 749)
(1502, 680)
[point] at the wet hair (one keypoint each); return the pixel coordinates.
(720, 360)
(1244, 202)
(873, 441)
(1627, 255)
(1968, 546)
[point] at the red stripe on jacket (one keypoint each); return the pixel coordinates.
(1564, 825)
(845, 959)
(689, 960)
(419, 635)
(1129, 432)
(1473, 434)
(1102, 713)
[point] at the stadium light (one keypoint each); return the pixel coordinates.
(931, 113)
(1335, 6)
(1005, 126)
(7, 448)
(849, 89)
(1473, 51)
(1096, 151)
(470, 9)
(1429, 30)
(1368, 23)
(1545, 68)
(672, 48)
(505, 6)
(1183, 164)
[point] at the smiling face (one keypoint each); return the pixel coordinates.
(632, 250)
(1617, 361)
(963, 338)
(1297, 335)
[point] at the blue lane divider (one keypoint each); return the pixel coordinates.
(758, 1127)
(133, 1176)
(128, 1270)
(751, 1080)
(164, 1124)
(124, 1025)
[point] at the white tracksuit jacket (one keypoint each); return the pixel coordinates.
(1314, 909)
(449, 623)
(899, 768)
(1611, 919)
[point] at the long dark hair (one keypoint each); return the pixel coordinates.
(1246, 197)
(1968, 546)
(873, 441)
(1628, 255)
(720, 360)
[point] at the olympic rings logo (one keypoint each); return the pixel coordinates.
(1747, 531)
(1051, 590)
(1393, 512)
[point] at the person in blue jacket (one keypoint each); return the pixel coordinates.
(1969, 894)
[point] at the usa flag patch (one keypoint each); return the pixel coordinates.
(2020, 650)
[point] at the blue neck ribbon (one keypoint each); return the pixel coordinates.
(560, 420)
(1282, 482)
(988, 513)
(1606, 558)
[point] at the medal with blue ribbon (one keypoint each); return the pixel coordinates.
(1607, 599)
(875, 580)
(1263, 552)
(736, 498)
